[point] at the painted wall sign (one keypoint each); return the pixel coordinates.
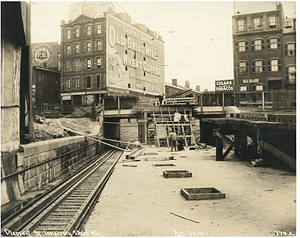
(134, 58)
(224, 85)
(251, 81)
(42, 54)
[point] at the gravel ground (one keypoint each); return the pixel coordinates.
(138, 201)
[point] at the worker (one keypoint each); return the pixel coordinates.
(172, 139)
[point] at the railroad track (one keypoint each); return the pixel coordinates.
(61, 211)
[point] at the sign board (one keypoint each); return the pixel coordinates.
(161, 131)
(251, 80)
(135, 59)
(46, 54)
(224, 85)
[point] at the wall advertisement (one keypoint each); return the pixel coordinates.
(45, 54)
(135, 59)
(224, 85)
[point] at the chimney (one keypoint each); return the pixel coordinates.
(63, 22)
(187, 84)
(206, 90)
(174, 82)
(198, 88)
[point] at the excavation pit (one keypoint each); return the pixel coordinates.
(177, 174)
(202, 193)
(158, 165)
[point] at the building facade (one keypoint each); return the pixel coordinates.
(261, 57)
(105, 55)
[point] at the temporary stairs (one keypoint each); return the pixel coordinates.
(166, 122)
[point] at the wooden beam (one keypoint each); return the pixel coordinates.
(279, 154)
(226, 139)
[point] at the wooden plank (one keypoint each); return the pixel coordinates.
(279, 154)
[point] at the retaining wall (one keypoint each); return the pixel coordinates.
(37, 164)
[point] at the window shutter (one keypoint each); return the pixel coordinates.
(268, 43)
(91, 46)
(65, 50)
(247, 66)
(262, 44)
(269, 65)
(278, 43)
(73, 49)
(285, 49)
(263, 66)
(73, 33)
(253, 66)
(85, 64)
(95, 45)
(246, 45)
(279, 64)
(287, 73)
(95, 63)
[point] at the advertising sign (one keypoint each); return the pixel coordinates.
(224, 85)
(135, 59)
(45, 54)
(92, 9)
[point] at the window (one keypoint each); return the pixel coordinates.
(68, 66)
(99, 27)
(272, 21)
(89, 64)
(242, 46)
(259, 87)
(41, 77)
(290, 49)
(258, 44)
(243, 88)
(77, 82)
(291, 74)
(77, 65)
(88, 81)
(241, 25)
(257, 23)
(89, 30)
(98, 81)
(273, 43)
(77, 32)
(99, 45)
(242, 65)
(68, 34)
(68, 83)
(89, 46)
(77, 100)
(274, 65)
(68, 50)
(258, 66)
(99, 62)
(77, 48)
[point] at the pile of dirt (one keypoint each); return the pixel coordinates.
(55, 128)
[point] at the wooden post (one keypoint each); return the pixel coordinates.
(223, 103)
(201, 102)
(263, 100)
(144, 128)
(119, 107)
(219, 149)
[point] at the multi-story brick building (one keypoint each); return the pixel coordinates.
(107, 56)
(261, 54)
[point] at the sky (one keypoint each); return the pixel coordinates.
(197, 34)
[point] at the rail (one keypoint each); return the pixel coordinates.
(68, 202)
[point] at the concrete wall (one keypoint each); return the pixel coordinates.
(129, 130)
(42, 162)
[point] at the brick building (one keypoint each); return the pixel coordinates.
(108, 58)
(46, 77)
(264, 51)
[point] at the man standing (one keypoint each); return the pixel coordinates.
(173, 140)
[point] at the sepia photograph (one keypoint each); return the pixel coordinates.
(148, 118)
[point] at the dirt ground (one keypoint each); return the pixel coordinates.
(138, 201)
(51, 128)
